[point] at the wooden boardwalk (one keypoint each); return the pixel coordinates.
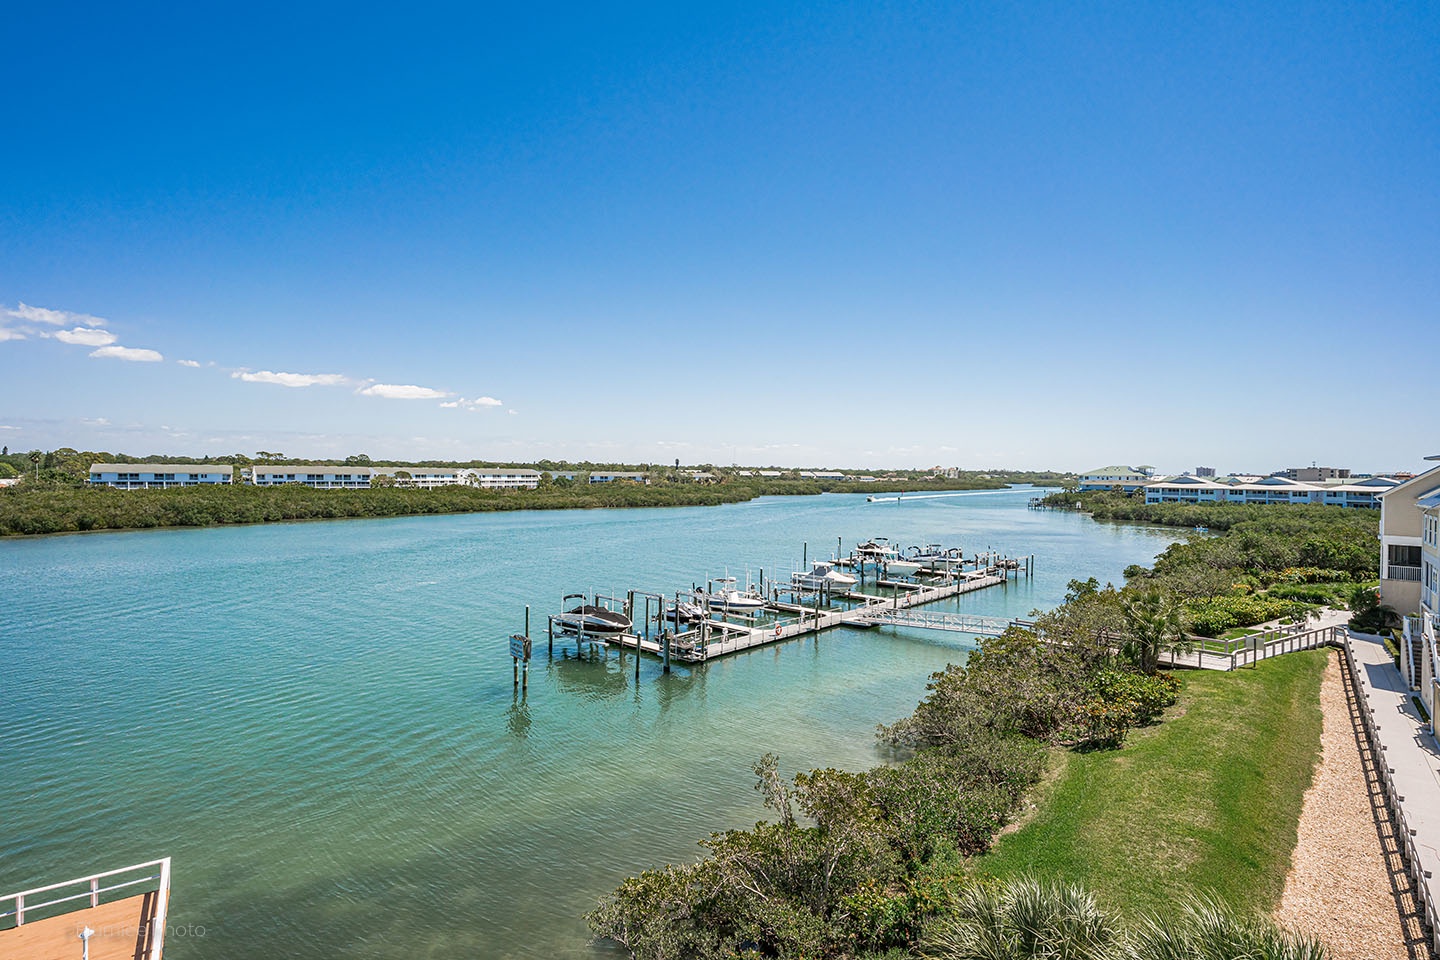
(1211, 654)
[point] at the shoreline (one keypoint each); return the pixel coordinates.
(70, 511)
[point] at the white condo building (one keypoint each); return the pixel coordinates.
(1276, 489)
(498, 478)
(146, 476)
(1128, 479)
(318, 475)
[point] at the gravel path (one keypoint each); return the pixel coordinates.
(1341, 887)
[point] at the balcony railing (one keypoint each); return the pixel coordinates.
(1396, 571)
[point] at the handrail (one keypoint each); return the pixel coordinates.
(89, 876)
(93, 890)
(1393, 802)
(91, 893)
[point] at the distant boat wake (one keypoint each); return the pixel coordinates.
(936, 496)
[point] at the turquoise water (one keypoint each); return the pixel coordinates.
(317, 721)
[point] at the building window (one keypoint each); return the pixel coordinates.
(1404, 556)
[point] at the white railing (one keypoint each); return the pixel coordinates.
(1399, 571)
(1393, 801)
(155, 876)
(953, 622)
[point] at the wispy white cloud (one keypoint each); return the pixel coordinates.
(511, 412)
(56, 318)
(188, 363)
(85, 337)
(399, 391)
(136, 354)
(479, 403)
(8, 334)
(291, 379)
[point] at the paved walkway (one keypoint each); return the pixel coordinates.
(1410, 765)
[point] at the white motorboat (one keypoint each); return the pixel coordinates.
(935, 557)
(823, 575)
(904, 568)
(724, 597)
(685, 612)
(590, 619)
(875, 552)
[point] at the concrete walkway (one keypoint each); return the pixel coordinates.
(1410, 769)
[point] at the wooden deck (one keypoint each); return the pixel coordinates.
(123, 931)
(90, 916)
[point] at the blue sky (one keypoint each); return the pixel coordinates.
(1034, 235)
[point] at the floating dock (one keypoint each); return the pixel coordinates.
(712, 638)
(780, 611)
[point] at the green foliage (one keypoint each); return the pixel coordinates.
(1028, 919)
(1272, 541)
(1321, 594)
(1368, 614)
(1208, 800)
(1024, 920)
(1154, 623)
(1204, 929)
(1317, 575)
(61, 502)
(1122, 699)
(1212, 616)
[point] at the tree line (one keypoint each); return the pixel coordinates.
(66, 507)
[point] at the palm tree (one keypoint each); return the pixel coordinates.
(1368, 614)
(1153, 623)
(1203, 929)
(1024, 920)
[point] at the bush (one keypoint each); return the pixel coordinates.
(1212, 616)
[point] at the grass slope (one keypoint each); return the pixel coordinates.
(1208, 800)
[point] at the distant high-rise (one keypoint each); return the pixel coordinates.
(1204, 471)
(1314, 474)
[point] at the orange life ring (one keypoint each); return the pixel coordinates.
(777, 631)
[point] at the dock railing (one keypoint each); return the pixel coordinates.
(1394, 802)
(39, 903)
(1216, 653)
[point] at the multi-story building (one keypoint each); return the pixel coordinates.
(1128, 479)
(1204, 471)
(317, 475)
(145, 476)
(1402, 531)
(1410, 577)
(606, 476)
(1314, 474)
(1188, 489)
(426, 478)
(496, 478)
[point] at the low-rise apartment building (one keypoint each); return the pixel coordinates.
(1188, 489)
(607, 476)
(318, 475)
(146, 476)
(1128, 479)
(498, 478)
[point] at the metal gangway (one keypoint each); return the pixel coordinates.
(970, 623)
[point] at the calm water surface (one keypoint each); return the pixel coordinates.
(317, 722)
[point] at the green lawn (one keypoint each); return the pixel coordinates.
(1208, 800)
